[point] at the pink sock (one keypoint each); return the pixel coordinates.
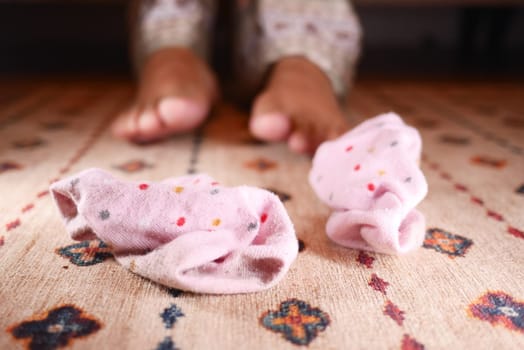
(188, 233)
(371, 179)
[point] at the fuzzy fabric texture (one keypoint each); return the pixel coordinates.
(188, 232)
(371, 179)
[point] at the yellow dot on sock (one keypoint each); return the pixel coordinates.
(371, 149)
(381, 172)
(216, 222)
(178, 189)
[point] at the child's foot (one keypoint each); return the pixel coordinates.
(176, 92)
(298, 106)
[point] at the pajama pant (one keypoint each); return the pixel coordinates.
(326, 32)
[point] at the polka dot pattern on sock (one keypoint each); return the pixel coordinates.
(368, 172)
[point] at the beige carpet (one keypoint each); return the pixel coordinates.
(463, 290)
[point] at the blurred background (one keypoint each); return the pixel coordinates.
(401, 37)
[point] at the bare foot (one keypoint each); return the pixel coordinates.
(298, 106)
(175, 94)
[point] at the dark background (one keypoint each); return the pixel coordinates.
(407, 38)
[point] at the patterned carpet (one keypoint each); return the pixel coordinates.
(464, 289)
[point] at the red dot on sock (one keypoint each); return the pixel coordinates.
(371, 187)
(263, 217)
(349, 148)
(357, 167)
(143, 186)
(214, 183)
(181, 221)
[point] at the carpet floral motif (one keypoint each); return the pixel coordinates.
(447, 243)
(57, 328)
(298, 322)
(170, 315)
(283, 196)
(9, 165)
(499, 308)
(86, 253)
(133, 166)
(261, 164)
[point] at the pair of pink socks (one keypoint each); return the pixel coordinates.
(194, 234)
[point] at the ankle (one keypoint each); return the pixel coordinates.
(168, 53)
(171, 61)
(300, 70)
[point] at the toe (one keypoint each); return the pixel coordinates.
(300, 143)
(306, 138)
(270, 127)
(181, 114)
(269, 121)
(149, 126)
(125, 124)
